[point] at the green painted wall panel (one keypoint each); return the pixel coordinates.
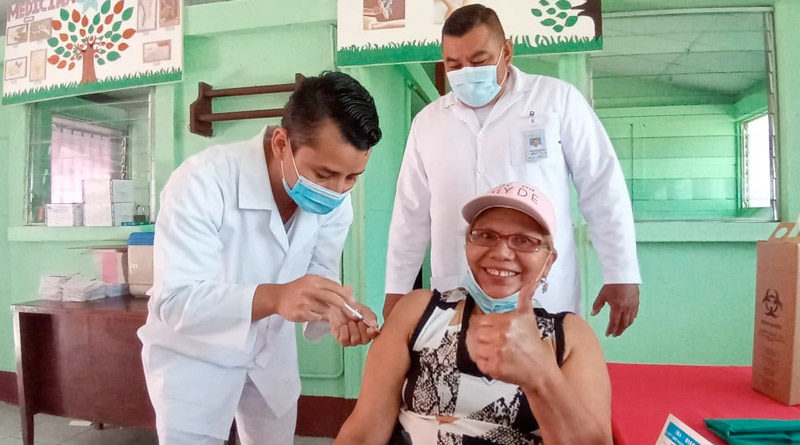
(656, 110)
(618, 128)
(623, 147)
(259, 57)
(673, 147)
(685, 189)
(544, 65)
(684, 168)
(672, 125)
(685, 146)
(322, 359)
(6, 346)
(675, 206)
(697, 305)
(678, 161)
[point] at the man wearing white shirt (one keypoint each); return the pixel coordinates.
(499, 125)
(248, 240)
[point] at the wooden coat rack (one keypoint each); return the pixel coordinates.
(201, 115)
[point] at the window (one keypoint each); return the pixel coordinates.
(98, 136)
(757, 168)
(79, 151)
(679, 93)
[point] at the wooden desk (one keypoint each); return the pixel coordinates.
(81, 360)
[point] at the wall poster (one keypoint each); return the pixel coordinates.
(399, 31)
(58, 48)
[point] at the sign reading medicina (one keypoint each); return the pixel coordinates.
(58, 48)
(397, 31)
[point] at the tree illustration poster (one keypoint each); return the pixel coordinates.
(397, 31)
(58, 48)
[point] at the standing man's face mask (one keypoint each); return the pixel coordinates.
(476, 86)
(310, 196)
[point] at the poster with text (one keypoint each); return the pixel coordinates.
(401, 31)
(57, 48)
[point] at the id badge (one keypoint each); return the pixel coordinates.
(535, 146)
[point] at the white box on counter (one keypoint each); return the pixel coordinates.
(63, 215)
(107, 191)
(107, 214)
(140, 262)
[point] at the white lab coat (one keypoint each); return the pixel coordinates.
(218, 235)
(450, 159)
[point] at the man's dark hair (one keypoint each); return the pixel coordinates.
(463, 19)
(335, 96)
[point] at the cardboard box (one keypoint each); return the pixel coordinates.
(776, 343)
(63, 215)
(140, 262)
(107, 214)
(107, 191)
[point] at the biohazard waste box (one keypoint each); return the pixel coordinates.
(776, 343)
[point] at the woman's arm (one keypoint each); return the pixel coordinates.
(376, 411)
(572, 404)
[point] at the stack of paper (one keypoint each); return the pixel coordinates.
(81, 288)
(50, 286)
(107, 202)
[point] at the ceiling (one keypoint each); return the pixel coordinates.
(722, 53)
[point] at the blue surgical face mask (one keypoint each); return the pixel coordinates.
(491, 305)
(310, 196)
(476, 86)
(488, 304)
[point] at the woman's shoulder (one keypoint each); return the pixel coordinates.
(579, 335)
(409, 309)
(419, 304)
(576, 325)
(416, 301)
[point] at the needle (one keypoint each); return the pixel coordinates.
(361, 317)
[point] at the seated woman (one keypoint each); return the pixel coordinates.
(481, 364)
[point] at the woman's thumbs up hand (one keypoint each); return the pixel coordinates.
(509, 346)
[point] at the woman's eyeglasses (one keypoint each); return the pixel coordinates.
(515, 241)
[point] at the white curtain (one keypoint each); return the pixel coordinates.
(78, 153)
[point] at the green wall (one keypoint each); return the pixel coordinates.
(6, 333)
(679, 161)
(698, 291)
(697, 296)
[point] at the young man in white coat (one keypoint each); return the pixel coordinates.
(499, 125)
(248, 240)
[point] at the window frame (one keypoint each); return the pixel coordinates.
(737, 211)
(42, 114)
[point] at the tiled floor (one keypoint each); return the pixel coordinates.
(52, 430)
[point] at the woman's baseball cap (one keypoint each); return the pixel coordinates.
(518, 196)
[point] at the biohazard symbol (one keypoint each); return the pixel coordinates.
(772, 303)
